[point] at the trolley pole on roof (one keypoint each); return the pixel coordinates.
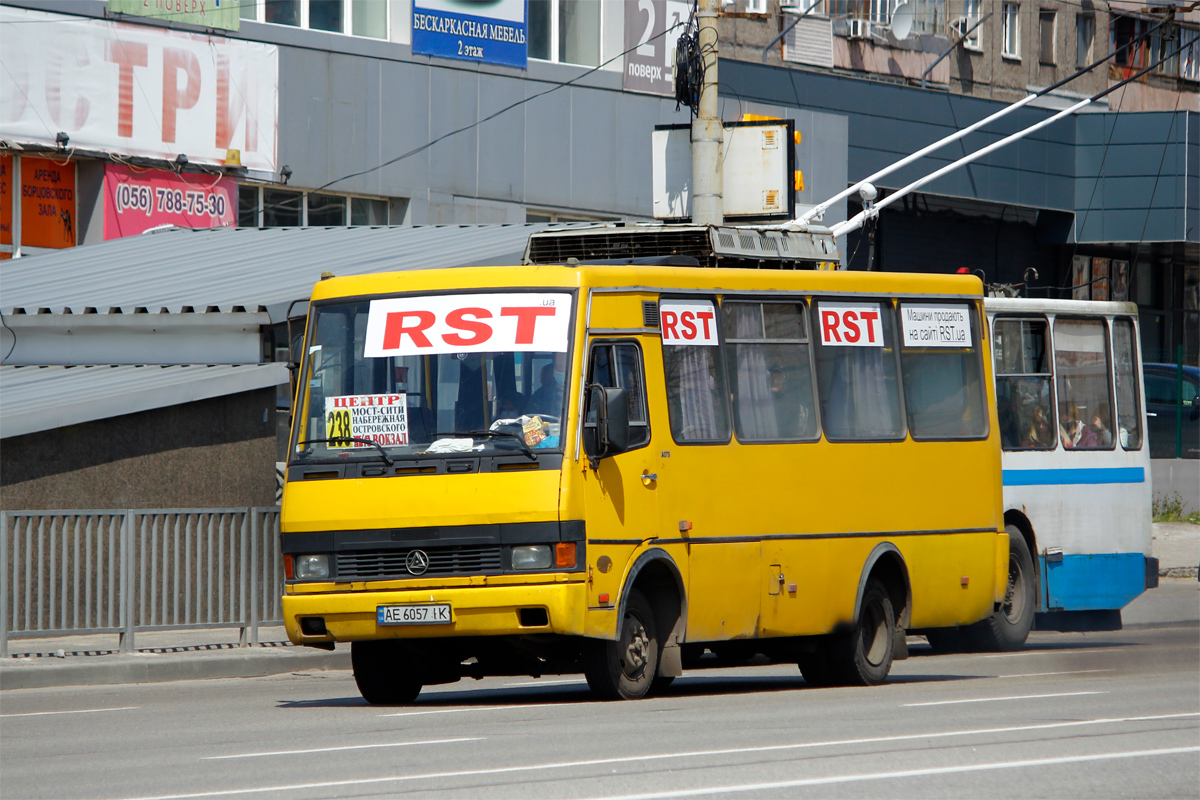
(707, 129)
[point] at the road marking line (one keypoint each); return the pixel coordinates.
(468, 773)
(482, 708)
(346, 747)
(998, 699)
(1061, 652)
(1043, 674)
(78, 711)
(907, 773)
(547, 683)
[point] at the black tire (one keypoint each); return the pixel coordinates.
(951, 640)
(863, 656)
(1008, 628)
(625, 669)
(381, 675)
(816, 669)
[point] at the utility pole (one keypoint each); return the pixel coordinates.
(707, 129)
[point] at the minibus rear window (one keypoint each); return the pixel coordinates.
(942, 360)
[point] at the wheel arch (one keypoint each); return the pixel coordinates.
(1018, 519)
(656, 575)
(886, 563)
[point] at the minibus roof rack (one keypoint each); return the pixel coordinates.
(809, 246)
(649, 261)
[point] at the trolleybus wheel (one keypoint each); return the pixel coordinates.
(379, 671)
(863, 656)
(1008, 628)
(624, 669)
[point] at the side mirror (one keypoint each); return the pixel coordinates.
(606, 426)
(1196, 407)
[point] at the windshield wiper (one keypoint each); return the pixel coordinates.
(382, 453)
(525, 448)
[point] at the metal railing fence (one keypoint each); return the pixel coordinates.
(124, 571)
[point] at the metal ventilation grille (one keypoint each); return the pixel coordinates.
(617, 243)
(650, 314)
(460, 560)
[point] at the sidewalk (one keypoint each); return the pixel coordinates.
(214, 653)
(161, 656)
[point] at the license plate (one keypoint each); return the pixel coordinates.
(413, 614)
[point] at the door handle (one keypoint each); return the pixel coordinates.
(649, 478)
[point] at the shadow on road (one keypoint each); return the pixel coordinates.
(692, 684)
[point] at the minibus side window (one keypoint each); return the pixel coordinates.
(697, 397)
(941, 358)
(1023, 375)
(1081, 363)
(620, 366)
(767, 359)
(1129, 406)
(857, 378)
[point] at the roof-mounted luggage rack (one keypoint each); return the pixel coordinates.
(793, 247)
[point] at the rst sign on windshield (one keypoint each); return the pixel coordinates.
(468, 323)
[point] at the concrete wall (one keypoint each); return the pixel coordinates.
(212, 453)
(1177, 475)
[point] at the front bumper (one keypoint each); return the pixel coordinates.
(475, 611)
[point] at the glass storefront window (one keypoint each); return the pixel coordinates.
(326, 210)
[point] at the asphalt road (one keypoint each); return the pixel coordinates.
(1073, 715)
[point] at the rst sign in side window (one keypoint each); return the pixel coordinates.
(697, 400)
(856, 371)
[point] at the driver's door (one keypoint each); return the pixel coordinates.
(621, 493)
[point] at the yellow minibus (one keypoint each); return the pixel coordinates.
(619, 468)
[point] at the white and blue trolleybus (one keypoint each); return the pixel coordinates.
(1076, 464)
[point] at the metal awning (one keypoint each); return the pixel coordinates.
(44, 398)
(249, 269)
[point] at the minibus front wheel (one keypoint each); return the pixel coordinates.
(624, 669)
(381, 673)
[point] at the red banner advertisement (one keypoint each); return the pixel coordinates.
(137, 200)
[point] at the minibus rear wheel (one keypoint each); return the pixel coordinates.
(863, 656)
(624, 669)
(380, 672)
(1008, 628)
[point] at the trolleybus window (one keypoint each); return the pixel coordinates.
(856, 371)
(696, 394)
(768, 363)
(1082, 366)
(1129, 411)
(620, 366)
(1023, 374)
(941, 359)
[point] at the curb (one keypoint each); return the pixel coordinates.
(161, 668)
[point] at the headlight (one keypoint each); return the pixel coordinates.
(533, 556)
(310, 567)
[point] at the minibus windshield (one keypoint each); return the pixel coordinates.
(434, 375)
